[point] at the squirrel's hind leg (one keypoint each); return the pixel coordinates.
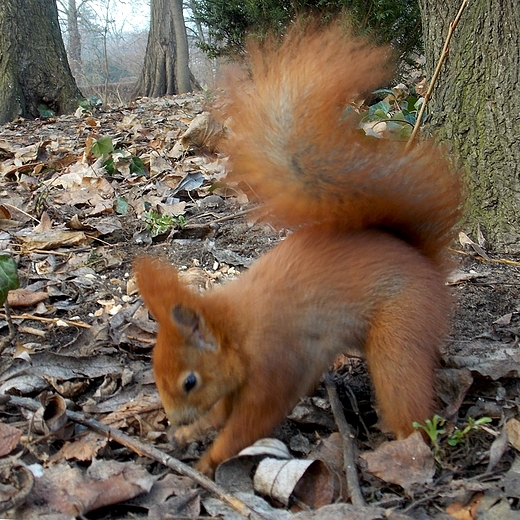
(402, 351)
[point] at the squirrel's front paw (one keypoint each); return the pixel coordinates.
(206, 466)
(186, 434)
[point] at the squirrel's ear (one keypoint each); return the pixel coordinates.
(193, 328)
(158, 284)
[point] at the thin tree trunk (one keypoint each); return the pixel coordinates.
(476, 107)
(181, 39)
(34, 71)
(159, 76)
(74, 39)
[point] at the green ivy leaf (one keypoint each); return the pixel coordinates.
(385, 91)
(380, 109)
(109, 166)
(137, 166)
(45, 112)
(103, 146)
(8, 276)
(121, 206)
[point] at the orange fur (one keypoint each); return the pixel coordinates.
(363, 273)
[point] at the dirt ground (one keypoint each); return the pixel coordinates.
(91, 313)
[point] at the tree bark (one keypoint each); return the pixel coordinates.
(165, 69)
(34, 72)
(74, 39)
(476, 107)
(181, 39)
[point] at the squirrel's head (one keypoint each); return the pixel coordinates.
(191, 364)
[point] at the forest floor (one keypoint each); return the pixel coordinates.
(84, 343)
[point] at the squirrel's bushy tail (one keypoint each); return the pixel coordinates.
(293, 143)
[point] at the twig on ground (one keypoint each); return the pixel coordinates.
(486, 260)
(225, 217)
(80, 324)
(153, 453)
(436, 73)
(12, 330)
(349, 460)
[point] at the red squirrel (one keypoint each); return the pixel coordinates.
(363, 272)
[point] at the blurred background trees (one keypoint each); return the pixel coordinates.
(107, 40)
(35, 78)
(115, 49)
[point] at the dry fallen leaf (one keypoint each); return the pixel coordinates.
(343, 512)
(467, 511)
(84, 448)
(53, 240)
(74, 491)
(235, 474)
(25, 297)
(9, 437)
(204, 132)
(487, 357)
(513, 432)
(309, 481)
(405, 462)
(171, 496)
(453, 385)
(330, 451)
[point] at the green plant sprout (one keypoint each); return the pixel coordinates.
(114, 158)
(434, 429)
(459, 435)
(8, 281)
(159, 224)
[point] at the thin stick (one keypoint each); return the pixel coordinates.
(12, 331)
(428, 94)
(81, 324)
(348, 445)
(21, 211)
(153, 453)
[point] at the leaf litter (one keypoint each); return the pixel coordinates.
(80, 197)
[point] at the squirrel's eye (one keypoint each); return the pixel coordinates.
(190, 382)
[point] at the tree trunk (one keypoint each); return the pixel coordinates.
(74, 39)
(181, 39)
(165, 69)
(476, 107)
(34, 72)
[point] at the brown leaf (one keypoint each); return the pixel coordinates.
(343, 512)
(405, 462)
(330, 451)
(53, 240)
(9, 437)
(309, 481)
(468, 511)
(84, 448)
(76, 492)
(171, 496)
(25, 297)
(204, 132)
(497, 449)
(513, 432)
(453, 385)
(487, 357)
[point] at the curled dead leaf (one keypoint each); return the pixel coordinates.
(309, 481)
(25, 297)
